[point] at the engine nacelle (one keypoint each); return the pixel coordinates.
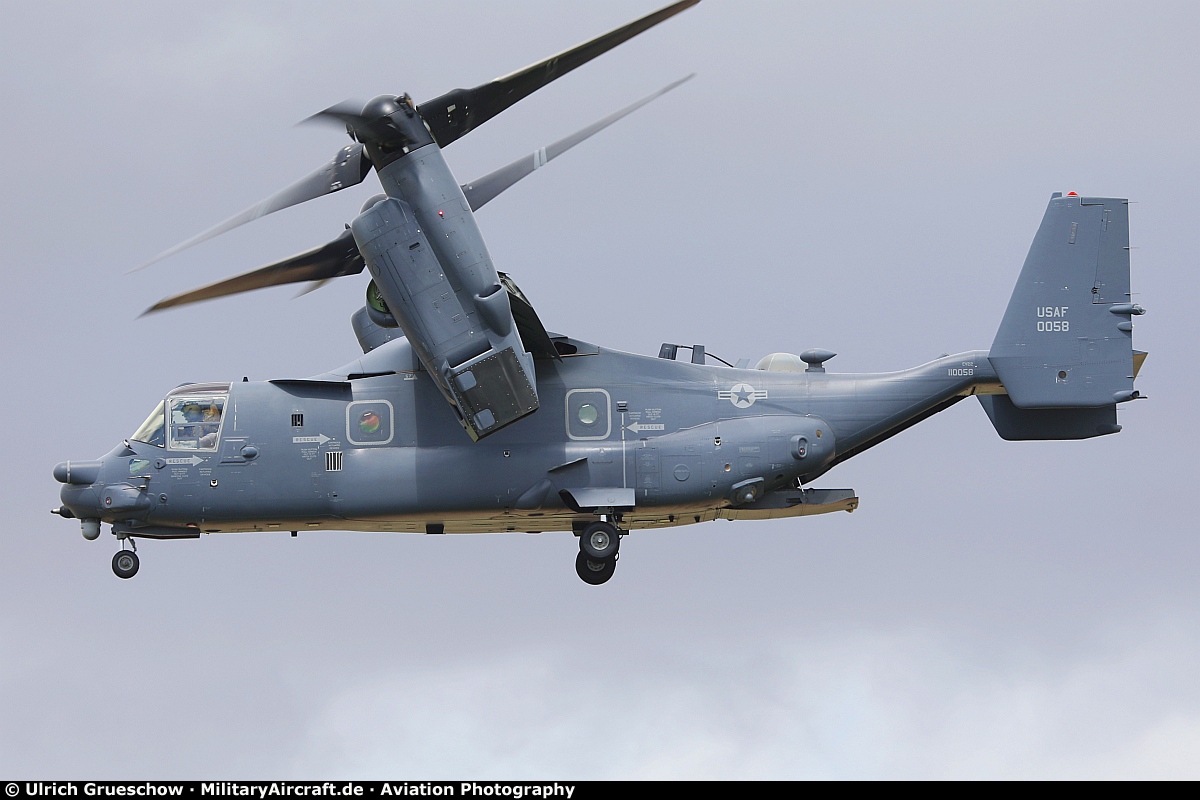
(457, 318)
(369, 333)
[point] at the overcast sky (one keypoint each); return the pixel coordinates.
(865, 178)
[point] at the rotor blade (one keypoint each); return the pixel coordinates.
(346, 112)
(481, 191)
(312, 287)
(339, 257)
(348, 168)
(347, 115)
(460, 111)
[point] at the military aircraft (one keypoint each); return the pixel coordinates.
(465, 415)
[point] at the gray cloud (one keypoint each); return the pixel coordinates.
(887, 704)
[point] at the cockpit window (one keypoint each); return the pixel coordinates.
(153, 430)
(195, 421)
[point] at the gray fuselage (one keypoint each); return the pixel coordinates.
(359, 450)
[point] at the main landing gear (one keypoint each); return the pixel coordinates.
(598, 546)
(125, 563)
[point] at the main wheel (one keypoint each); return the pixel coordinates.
(600, 541)
(125, 564)
(593, 571)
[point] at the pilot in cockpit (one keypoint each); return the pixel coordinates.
(210, 419)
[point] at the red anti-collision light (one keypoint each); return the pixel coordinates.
(1072, 194)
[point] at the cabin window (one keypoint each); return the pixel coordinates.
(588, 415)
(369, 422)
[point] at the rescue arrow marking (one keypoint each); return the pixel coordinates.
(319, 439)
(193, 461)
(645, 426)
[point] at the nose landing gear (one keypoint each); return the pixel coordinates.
(599, 543)
(125, 563)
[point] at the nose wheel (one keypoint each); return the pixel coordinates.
(125, 564)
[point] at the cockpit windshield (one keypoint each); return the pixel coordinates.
(153, 430)
(190, 416)
(195, 420)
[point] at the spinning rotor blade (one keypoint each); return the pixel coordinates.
(361, 128)
(458, 112)
(481, 191)
(448, 118)
(348, 168)
(339, 257)
(312, 287)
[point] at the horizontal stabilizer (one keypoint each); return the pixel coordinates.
(1047, 424)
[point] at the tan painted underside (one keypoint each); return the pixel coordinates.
(527, 522)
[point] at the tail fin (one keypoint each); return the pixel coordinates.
(1066, 340)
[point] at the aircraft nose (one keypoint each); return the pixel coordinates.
(78, 473)
(80, 502)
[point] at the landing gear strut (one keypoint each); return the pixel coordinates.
(598, 546)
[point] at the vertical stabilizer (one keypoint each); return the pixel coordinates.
(1066, 340)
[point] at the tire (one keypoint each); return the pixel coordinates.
(125, 564)
(594, 572)
(600, 541)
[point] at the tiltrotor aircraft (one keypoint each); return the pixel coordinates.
(541, 432)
